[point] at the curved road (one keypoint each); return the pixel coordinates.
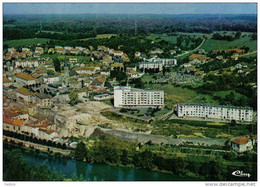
(191, 50)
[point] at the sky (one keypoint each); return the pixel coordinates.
(126, 8)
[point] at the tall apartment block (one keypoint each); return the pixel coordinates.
(215, 111)
(125, 96)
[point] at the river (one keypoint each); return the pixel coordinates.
(98, 172)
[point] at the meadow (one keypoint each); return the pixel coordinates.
(25, 42)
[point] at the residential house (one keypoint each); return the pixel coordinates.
(242, 144)
(43, 100)
(25, 95)
(6, 82)
(39, 50)
(51, 79)
(25, 79)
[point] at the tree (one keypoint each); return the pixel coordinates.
(81, 151)
(56, 63)
(124, 157)
(50, 72)
(73, 97)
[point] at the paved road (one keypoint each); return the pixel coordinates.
(191, 50)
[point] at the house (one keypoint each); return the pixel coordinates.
(137, 54)
(51, 79)
(132, 73)
(242, 144)
(107, 59)
(12, 124)
(215, 51)
(201, 51)
(91, 48)
(102, 48)
(116, 53)
(75, 84)
(25, 79)
(117, 66)
(100, 82)
(74, 51)
(27, 63)
(85, 70)
(6, 82)
(86, 52)
(237, 51)
(51, 50)
(43, 100)
(173, 52)
(25, 95)
(80, 49)
(199, 58)
(68, 48)
(60, 50)
(156, 51)
(39, 50)
(73, 60)
(103, 97)
(238, 66)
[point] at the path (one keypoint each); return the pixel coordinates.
(40, 147)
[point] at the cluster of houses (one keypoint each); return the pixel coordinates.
(16, 119)
(32, 82)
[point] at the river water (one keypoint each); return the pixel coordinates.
(98, 172)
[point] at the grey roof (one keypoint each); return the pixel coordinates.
(73, 73)
(43, 96)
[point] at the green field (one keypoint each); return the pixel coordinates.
(211, 44)
(174, 95)
(25, 42)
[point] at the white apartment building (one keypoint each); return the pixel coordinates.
(215, 111)
(154, 63)
(125, 96)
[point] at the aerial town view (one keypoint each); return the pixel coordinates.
(129, 92)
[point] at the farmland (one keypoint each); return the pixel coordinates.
(211, 44)
(25, 42)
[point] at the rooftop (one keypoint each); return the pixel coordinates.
(24, 76)
(241, 140)
(24, 91)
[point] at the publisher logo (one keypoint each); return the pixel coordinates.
(239, 173)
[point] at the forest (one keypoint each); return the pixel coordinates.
(69, 27)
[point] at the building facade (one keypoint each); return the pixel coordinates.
(215, 112)
(242, 144)
(125, 96)
(157, 63)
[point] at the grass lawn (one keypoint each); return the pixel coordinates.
(211, 44)
(174, 95)
(25, 42)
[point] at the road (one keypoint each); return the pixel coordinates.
(191, 50)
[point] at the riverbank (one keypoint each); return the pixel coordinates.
(73, 170)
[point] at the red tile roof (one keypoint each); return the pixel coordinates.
(241, 140)
(24, 76)
(24, 91)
